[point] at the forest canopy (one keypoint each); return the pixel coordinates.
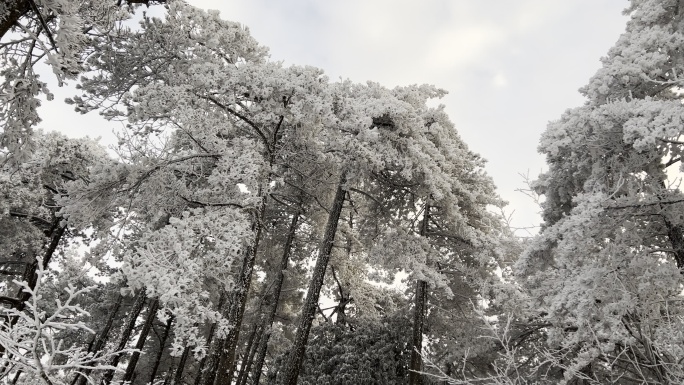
(263, 224)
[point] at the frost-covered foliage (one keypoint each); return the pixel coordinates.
(370, 352)
(605, 274)
(56, 33)
(33, 338)
(181, 264)
(221, 150)
(30, 218)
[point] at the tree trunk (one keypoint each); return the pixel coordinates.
(160, 353)
(275, 298)
(169, 376)
(126, 334)
(30, 276)
(133, 362)
(250, 351)
(178, 376)
(210, 338)
(675, 233)
(100, 341)
(14, 10)
(226, 365)
(296, 357)
(16, 377)
(415, 375)
(213, 358)
(420, 303)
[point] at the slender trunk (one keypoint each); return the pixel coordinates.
(169, 376)
(226, 365)
(415, 375)
(251, 350)
(213, 359)
(30, 276)
(15, 10)
(16, 377)
(296, 357)
(275, 298)
(210, 338)
(178, 376)
(160, 353)
(675, 234)
(133, 362)
(420, 303)
(125, 334)
(81, 379)
(55, 233)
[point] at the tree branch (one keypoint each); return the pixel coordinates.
(241, 117)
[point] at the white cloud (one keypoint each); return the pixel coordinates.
(499, 80)
(458, 47)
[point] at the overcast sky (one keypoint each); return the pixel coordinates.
(510, 66)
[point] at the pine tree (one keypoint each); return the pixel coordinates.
(605, 273)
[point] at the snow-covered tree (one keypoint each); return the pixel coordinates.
(222, 147)
(605, 274)
(56, 33)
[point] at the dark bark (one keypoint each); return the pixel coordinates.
(125, 334)
(169, 375)
(275, 298)
(416, 367)
(420, 303)
(212, 330)
(226, 367)
(133, 362)
(30, 276)
(344, 300)
(160, 352)
(101, 339)
(213, 359)
(16, 376)
(178, 376)
(55, 233)
(675, 234)
(296, 357)
(15, 10)
(250, 351)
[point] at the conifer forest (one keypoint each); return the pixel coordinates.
(261, 223)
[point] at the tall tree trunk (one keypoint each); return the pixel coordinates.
(676, 237)
(55, 233)
(14, 10)
(296, 357)
(160, 353)
(16, 377)
(416, 367)
(178, 376)
(126, 334)
(213, 359)
(250, 352)
(420, 303)
(675, 233)
(212, 330)
(133, 362)
(275, 298)
(100, 341)
(226, 365)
